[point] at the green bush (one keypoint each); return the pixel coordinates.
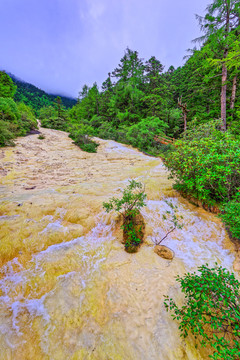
(41, 137)
(81, 133)
(27, 120)
(9, 110)
(206, 165)
(85, 143)
(141, 135)
(47, 112)
(211, 311)
(20, 117)
(7, 87)
(107, 131)
(128, 206)
(6, 135)
(231, 216)
(81, 129)
(56, 123)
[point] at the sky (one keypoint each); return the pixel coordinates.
(60, 45)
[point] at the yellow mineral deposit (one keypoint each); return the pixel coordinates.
(68, 290)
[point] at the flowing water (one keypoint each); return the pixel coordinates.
(68, 290)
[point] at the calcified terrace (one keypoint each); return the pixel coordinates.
(68, 290)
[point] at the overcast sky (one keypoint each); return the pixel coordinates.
(60, 45)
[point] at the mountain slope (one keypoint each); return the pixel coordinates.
(37, 98)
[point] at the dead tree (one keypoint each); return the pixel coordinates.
(184, 110)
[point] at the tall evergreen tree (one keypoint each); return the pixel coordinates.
(130, 67)
(219, 25)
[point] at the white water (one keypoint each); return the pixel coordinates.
(68, 290)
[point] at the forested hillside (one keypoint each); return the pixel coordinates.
(35, 97)
(141, 99)
(16, 119)
(198, 104)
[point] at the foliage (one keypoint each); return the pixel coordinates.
(142, 134)
(82, 137)
(35, 97)
(206, 166)
(171, 217)
(130, 67)
(27, 121)
(128, 206)
(85, 143)
(41, 137)
(6, 135)
(132, 233)
(132, 200)
(211, 311)
(54, 123)
(231, 216)
(16, 120)
(7, 87)
(9, 110)
(47, 112)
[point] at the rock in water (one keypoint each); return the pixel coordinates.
(164, 252)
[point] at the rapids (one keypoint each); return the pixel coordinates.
(68, 290)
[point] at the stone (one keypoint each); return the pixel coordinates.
(164, 252)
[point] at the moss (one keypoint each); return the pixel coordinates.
(133, 232)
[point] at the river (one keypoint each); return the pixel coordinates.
(68, 290)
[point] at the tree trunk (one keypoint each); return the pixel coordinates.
(185, 121)
(224, 98)
(234, 89)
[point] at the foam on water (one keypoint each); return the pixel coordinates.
(68, 290)
(55, 226)
(197, 243)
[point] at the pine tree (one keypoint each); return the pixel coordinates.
(219, 25)
(130, 67)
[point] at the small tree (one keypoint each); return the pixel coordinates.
(211, 311)
(133, 199)
(172, 217)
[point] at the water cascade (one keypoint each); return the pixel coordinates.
(68, 290)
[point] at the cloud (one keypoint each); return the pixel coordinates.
(60, 45)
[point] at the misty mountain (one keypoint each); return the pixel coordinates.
(35, 97)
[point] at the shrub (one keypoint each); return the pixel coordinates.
(41, 137)
(211, 311)
(85, 143)
(231, 216)
(81, 133)
(57, 123)
(7, 87)
(9, 110)
(108, 131)
(27, 120)
(128, 206)
(207, 167)
(19, 117)
(6, 135)
(47, 112)
(141, 135)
